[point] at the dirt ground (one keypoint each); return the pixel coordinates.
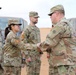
(44, 61)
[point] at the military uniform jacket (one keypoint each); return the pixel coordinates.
(12, 54)
(12, 50)
(57, 40)
(32, 36)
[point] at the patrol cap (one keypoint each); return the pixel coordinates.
(56, 8)
(33, 14)
(14, 21)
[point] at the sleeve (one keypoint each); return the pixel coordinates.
(30, 46)
(26, 46)
(23, 46)
(53, 38)
(15, 40)
(22, 36)
(25, 35)
(12, 39)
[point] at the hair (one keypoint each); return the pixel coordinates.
(7, 30)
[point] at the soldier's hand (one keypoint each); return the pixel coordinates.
(39, 49)
(48, 55)
(38, 44)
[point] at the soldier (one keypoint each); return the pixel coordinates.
(1, 52)
(31, 34)
(61, 57)
(12, 49)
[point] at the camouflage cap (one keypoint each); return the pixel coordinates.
(56, 8)
(33, 14)
(14, 21)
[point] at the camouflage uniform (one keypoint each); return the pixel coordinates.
(61, 57)
(32, 36)
(1, 53)
(12, 54)
(12, 57)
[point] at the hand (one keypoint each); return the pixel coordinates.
(39, 49)
(38, 44)
(48, 55)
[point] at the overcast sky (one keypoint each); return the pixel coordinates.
(21, 8)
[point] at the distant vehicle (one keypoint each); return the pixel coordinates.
(4, 24)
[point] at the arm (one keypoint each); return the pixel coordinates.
(25, 36)
(23, 46)
(52, 39)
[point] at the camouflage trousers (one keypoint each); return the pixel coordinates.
(62, 70)
(1, 70)
(11, 70)
(33, 67)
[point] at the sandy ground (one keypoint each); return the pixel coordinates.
(44, 61)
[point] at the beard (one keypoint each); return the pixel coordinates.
(35, 22)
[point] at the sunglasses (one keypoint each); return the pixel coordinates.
(51, 14)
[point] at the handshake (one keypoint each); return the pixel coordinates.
(45, 48)
(40, 47)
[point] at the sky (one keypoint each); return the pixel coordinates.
(21, 8)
